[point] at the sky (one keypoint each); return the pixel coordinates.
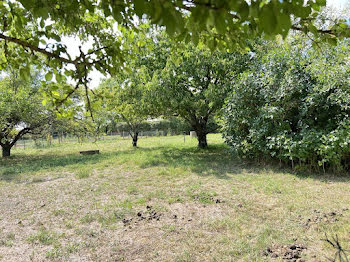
(338, 3)
(74, 43)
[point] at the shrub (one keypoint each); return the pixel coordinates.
(294, 106)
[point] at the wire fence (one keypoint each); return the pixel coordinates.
(55, 139)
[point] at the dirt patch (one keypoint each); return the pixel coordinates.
(324, 217)
(182, 215)
(146, 215)
(290, 253)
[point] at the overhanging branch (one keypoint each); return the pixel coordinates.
(329, 32)
(77, 61)
(37, 49)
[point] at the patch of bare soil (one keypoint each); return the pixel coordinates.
(152, 235)
(324, 217)
(148, 215)
(290, 253)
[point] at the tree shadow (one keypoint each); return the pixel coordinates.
(12, 167)
(212, 161)
(216, 160)
(327, 177)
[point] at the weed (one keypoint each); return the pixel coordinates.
(84, 173)
(44, 237)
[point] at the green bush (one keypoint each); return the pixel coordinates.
(293, 105)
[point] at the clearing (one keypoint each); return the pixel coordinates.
(164, 201)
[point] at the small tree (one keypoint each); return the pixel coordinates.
(125, 99)
(126, 94)
(21, 111)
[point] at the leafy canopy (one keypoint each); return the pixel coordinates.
(194, 84)
(29, 27)
(125, 95)
(21, 111)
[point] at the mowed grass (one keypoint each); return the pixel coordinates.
(164, 201)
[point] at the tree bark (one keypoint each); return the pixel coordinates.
(202, 139)
(134, 139)
(6, 150)
(200, 126)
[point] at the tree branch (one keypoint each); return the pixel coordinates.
(37, 49)
(19, 135)
(60, 102)
(34, 48)
(329, 32)
(128, 123)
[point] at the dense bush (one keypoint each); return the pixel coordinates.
(293, 105)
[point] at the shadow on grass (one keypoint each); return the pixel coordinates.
(323, 177)
(216, 160)
(212, 161)
(12, 167)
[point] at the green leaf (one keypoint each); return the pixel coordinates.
(332, 41)
(284, 23)
(313, 29)
(220, 23)
(243, 10)
(139, 7)
(48, 76)
(55, 94)
(195, 38)
(24, 73)
(267, 19)
(321, 2)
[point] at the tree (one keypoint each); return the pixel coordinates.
(125, 98)
(73, 117)
(32, 27)
(195, 83)
(21, 111)
(126, 93)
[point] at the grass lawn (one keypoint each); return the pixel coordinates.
(164, 201)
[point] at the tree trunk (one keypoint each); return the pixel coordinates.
(134, 139)
(200, 126)
(202, 139)
(6, 150)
